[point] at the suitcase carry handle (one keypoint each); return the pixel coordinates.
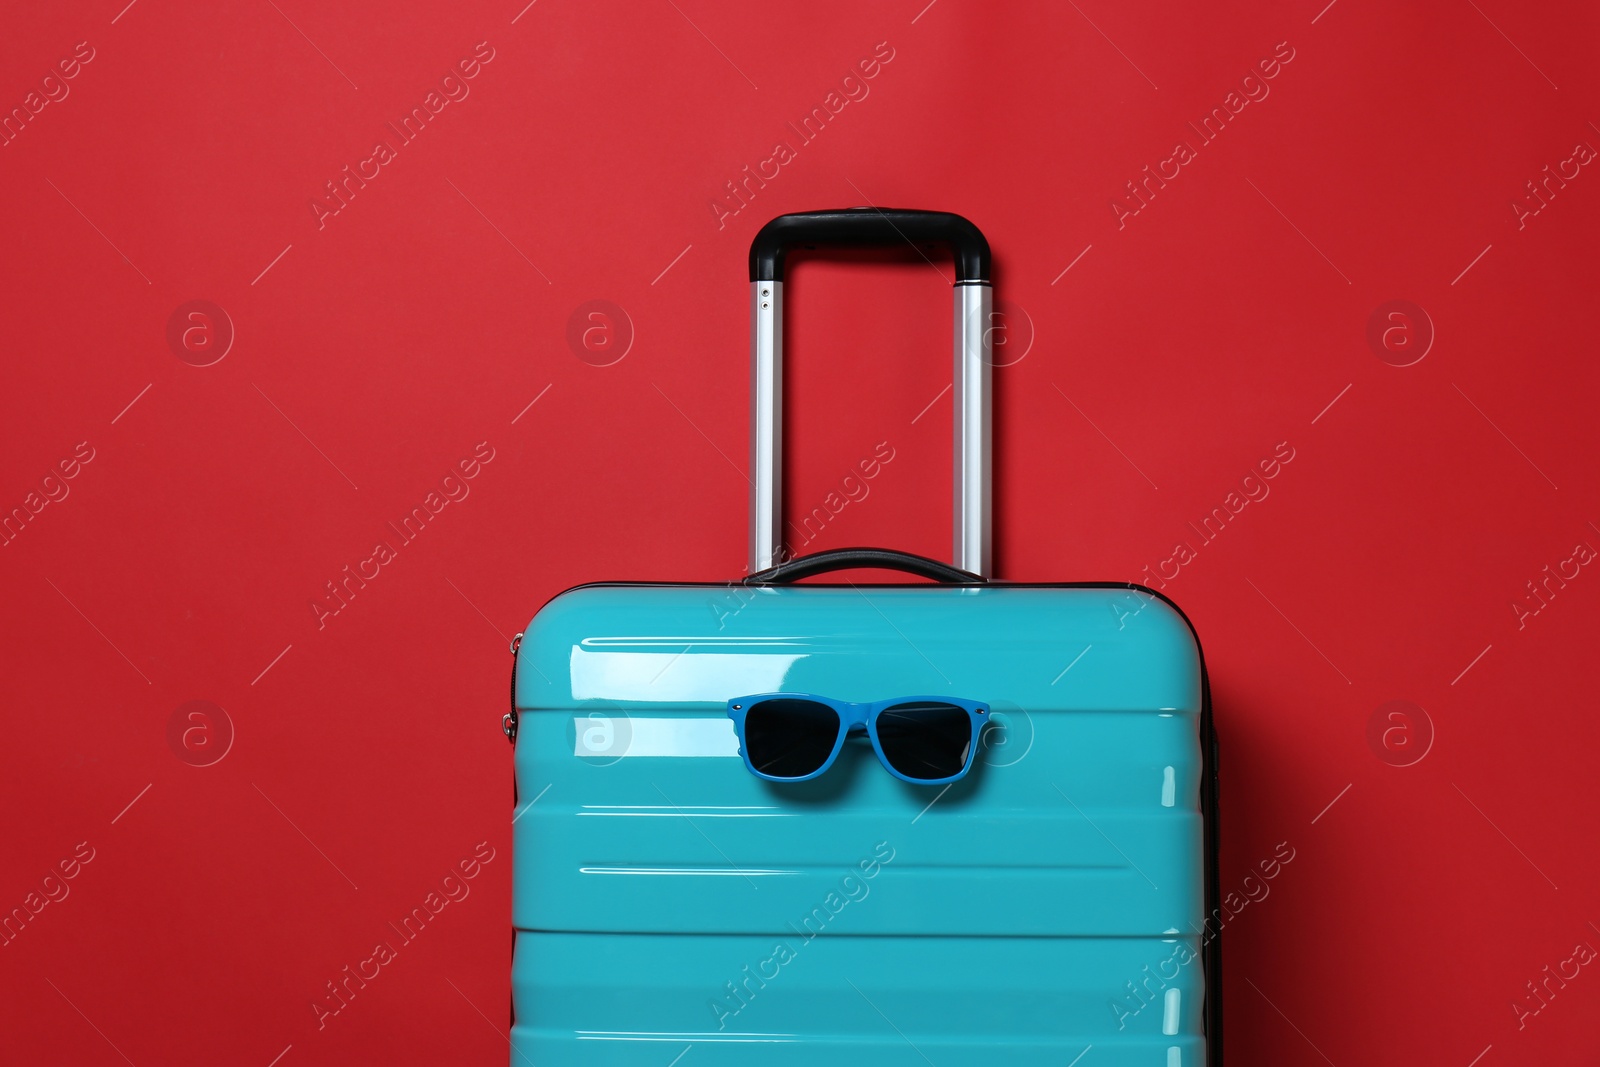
(846, 558)
(972, 373)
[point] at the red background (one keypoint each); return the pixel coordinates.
(373, 353)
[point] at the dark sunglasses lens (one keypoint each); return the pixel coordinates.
(927, 740)
(790, 738)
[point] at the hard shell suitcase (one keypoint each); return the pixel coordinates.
(1055, 906)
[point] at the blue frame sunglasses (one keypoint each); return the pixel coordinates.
(794, 737)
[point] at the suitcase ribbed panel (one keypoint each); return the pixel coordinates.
(620, 1001)
(665, 897)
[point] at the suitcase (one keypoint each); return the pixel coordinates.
(1056, 905)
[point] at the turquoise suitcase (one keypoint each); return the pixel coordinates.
(1056, 906)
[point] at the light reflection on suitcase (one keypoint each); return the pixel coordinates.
(670, 907)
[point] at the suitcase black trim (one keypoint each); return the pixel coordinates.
(1210, 943)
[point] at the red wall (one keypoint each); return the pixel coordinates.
(1156, 358)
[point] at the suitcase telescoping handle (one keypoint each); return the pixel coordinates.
(972, 370)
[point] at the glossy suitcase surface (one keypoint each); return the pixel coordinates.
(672, 907)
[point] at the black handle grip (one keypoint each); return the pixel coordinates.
(845, 558)
(869, 226)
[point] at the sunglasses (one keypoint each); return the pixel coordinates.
(791, 737)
